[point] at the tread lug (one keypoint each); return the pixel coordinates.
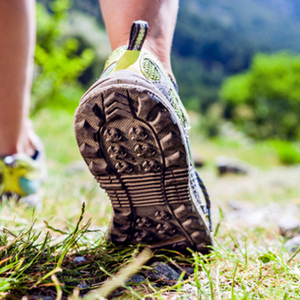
(151, 166)
(115, 97)
(191, 225)
(85, 130)
(145, 104)
(138, 133)
(199, 236)
(175, 159)
(98, 169)
(162, 120)
(112, 135)
(119, 238)
(183, 212)
(170, 140)
(88, 151)
(143, 236)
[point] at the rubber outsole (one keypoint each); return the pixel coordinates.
(132, 145)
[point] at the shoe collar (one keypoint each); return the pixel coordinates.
(133, 57)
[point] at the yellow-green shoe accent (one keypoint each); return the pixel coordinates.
(148, 65)
(22, 175)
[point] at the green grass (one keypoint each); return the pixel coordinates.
(38, 248)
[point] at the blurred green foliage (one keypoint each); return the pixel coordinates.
(216, 39)
(288, 153)
(58, 61)
(265, 101)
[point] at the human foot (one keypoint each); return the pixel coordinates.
(132, 131)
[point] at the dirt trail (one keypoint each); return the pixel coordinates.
(260, 198)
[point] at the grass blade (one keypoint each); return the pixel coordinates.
(120, 278)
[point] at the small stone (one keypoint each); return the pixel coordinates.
(136, 279)
(293, 244)
(189, 270)
(79, 260)
(289, 226)
(227, 165)
(235, 205)
(82, 286)
(198, 160)
(164, 273)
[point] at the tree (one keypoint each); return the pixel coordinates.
(265, 100)
(57, 61)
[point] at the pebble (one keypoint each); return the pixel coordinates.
(136, 279)
(189, 270)
(293, 244)
(227, 165)
(198, 161)
(83, 286)
(79, 260)
(164, 273)
(235, 205)
(289, 226)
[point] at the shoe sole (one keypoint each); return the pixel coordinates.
(132, 145)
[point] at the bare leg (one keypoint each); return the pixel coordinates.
(17, 41)
(161, 16)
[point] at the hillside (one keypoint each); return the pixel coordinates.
(217, 38)
(230, 31)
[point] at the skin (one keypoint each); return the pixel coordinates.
(17, 42)
(161, 16)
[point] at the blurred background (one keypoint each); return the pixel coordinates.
(237, 64)
(235, 61)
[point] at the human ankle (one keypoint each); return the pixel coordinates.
(25, 147)
(22, 143)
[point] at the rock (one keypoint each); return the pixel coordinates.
(198, 163)
(189, 270)
(164, 273)
(79, 260)
(83, 286)
(198, 160)
(235, 205)
(136, 279)
(227, 165)
(289, 226)
(293, 244)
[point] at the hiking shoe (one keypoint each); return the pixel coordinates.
(22, 175)
(132, 131)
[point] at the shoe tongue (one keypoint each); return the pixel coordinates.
(138, 35)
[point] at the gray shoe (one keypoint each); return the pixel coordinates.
(132, 131)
